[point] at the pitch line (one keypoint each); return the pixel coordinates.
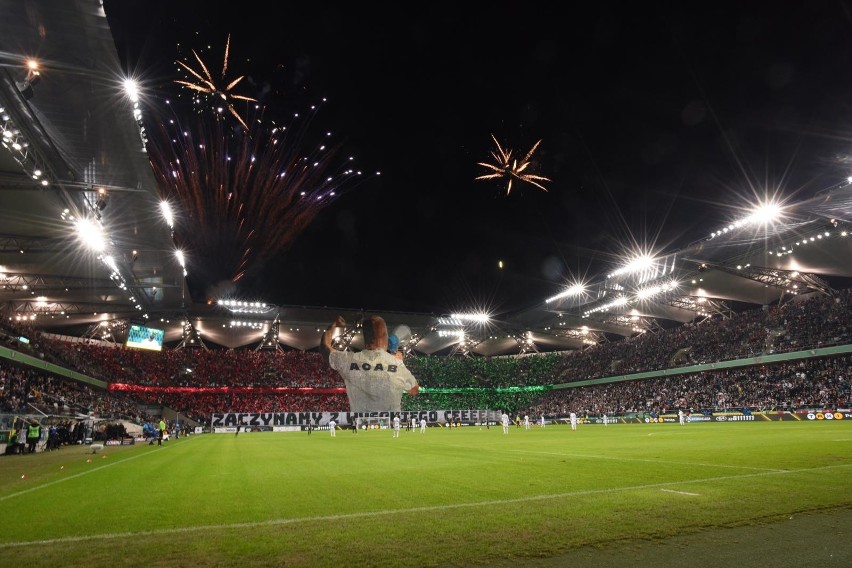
(671, 462)
(388, 512)
(681, 492)
(75, 476)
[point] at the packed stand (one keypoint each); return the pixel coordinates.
(824, 383)
(198, 382)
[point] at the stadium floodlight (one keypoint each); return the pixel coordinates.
(131, 87)
(618, 302)
(635, 264)
(457, 332)
(133, 92)
(475, 318)
(761, 215)
(574, 290)
(32, 78)
(765, 213)
(181, 260)
(245, 307)
(110, 261)
(91, 233)
(248, 324)
(652, 291)
(166, 210)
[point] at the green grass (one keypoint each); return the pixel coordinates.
(451, 497)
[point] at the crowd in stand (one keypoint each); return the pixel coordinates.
(24, 390)
(810, 383)
(813, 322)
(201, 367)
(197, 382)
(200, 382)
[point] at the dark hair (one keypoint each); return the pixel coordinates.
(375, 332)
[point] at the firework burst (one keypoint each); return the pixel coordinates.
(218, 90)
(504, 167)
(243, 196)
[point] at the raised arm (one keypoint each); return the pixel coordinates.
(326, 345)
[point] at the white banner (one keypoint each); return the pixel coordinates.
(228, 421)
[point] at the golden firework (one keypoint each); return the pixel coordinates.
(207, 84)
(511, 169)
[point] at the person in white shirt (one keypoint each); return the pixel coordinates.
(681, 417)
(605, 419)
(422, 425)
(527, 421)
(396, 426)
(573, 420)
(542, 420)
(332, 427)
(505, 419)
(413, 423)
(374, 378)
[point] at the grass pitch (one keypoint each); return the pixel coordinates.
(449, 497)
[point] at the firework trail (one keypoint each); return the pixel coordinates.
(505, 167)
(242, 196)
(203, 82)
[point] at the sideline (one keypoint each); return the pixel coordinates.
(76, 475)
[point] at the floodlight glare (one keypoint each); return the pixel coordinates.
(459, 333)
(765, 214)
(166, 210)
(635, 264)
(110, 261)
(131, 87)
(91, 234)
(574, 290)
(648, 292)
(477, 318)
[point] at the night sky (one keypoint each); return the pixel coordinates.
(658, 124)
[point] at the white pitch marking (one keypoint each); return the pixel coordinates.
(388, 512)
(75, 476)
(680, 492)
(673, 462)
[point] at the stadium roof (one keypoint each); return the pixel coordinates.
(73, 151)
